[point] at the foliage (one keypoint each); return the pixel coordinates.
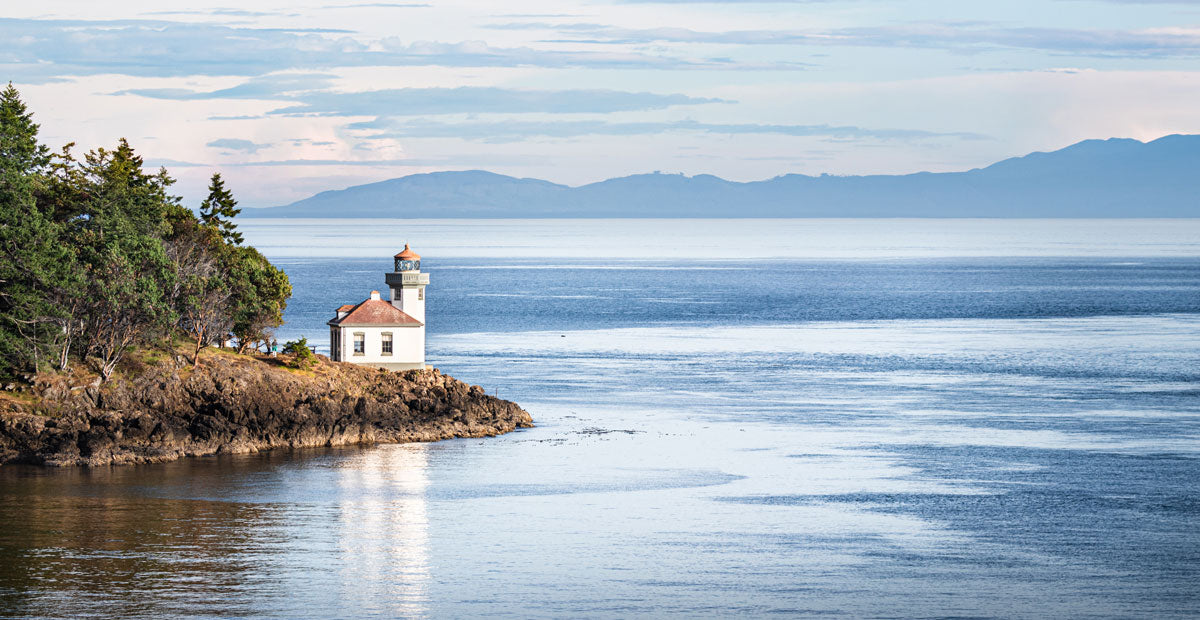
(33, 264)
(219, 209)
(119, 236)
(303, 357)
(97, 257)
(19, 148)
(260, 294)
(202, 297)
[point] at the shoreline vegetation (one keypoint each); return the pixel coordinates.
(112, 295)
(98, 258)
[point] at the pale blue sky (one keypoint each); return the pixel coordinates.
(287, 100)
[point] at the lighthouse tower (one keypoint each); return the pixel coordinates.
(408, 284)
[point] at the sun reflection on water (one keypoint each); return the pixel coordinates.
(385, 529)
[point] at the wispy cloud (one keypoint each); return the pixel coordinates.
(237, 117)
(157, 48)
(1146, 43)
(480, 159)
(379, 5)
(605, 34)
(306, 91)
(957, 36)
(413, 101)
(269, 87)
(310, 142)
(728, 1)
(1184, 2)
(512, 131)
(237, 144)
(222, 12)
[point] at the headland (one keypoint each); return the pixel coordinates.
(158, 407)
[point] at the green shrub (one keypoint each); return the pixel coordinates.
(302, 356)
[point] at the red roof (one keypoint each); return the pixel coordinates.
(407, 254)
(375, 312)
(345, 308)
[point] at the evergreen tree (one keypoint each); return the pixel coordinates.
(19, 148)
(219, 209)
(118, 193)
(34, 263)
(119, 237)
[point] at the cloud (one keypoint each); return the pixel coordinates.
(726, 1)
(222, 12)
(423, 101)
(172, 163)
(379, 5)
(239, 117)
(956, 36)
(237, 144)
(1184, 2)
(514, 131)
(603, 34)
(158, 48)
(477, 159)
(330, 162)
(465, 100)
(1104, 43)
(276, 86)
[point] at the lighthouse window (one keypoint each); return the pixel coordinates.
(387, 343)
(420, 294)
(360, 343)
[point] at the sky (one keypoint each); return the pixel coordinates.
(287, 99)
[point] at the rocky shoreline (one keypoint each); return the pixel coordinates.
(231, 403)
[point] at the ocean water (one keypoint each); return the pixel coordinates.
(879, 418)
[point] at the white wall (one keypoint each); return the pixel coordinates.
(409, 303)
(408, 345)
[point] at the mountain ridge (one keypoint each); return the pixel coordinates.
(1115, 177)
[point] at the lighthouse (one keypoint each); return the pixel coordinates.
(381, 333)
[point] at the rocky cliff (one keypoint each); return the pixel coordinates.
(165, 410)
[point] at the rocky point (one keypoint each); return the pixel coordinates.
(230, 403)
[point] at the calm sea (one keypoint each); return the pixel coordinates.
(852, 418)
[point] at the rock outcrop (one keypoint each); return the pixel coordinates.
(239, 404)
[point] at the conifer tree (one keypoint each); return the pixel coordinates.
(120, 239)
(19, 148)
(219, 209)
(33, 260)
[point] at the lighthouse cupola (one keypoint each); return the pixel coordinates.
(407, 260)
(407, 284)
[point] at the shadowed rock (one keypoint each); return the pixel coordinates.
(240, 404)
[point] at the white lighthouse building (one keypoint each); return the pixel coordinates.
(385, 334)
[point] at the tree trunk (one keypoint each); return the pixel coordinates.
(199, 346)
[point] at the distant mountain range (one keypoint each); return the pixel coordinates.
(1094, 178)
